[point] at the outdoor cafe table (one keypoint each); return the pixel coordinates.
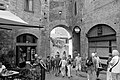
(8, 74)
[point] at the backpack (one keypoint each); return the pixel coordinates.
(89, 62)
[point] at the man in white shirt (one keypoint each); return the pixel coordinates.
(78, 63)
(63, 63)
(97, 64)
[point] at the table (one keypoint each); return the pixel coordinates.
(9, 74)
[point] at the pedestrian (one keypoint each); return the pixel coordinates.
(98, 65)
(78, 63)
(69, 63)
(90, 67)
(43, 67)
(48, 64)
(109, 76)
(63, 64)
(115, 63)
(57, 66)
(52, 64)
(66, 69)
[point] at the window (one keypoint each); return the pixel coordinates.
(99, 31)
(28, 5)
(26, 38)
(75, 8)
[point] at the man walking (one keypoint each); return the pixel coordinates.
(57, 66)
(78, 63)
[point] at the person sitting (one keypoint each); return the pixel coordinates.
(2, 68)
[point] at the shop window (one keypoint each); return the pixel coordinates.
(29, 5)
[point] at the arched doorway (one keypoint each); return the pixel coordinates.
(25, 47)
(61, 41)
(101, 39)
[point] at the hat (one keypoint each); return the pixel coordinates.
(115, 53)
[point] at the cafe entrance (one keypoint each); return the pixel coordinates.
(25, 48)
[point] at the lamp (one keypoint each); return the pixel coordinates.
(60, 12)
(77, 29)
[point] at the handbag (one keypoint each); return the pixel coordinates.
(113, 66)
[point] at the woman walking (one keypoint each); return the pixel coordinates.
(109, 76)
(90, 67)
(115, 63)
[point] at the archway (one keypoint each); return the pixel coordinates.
(101, 39)
(26, 45)
(60, 41)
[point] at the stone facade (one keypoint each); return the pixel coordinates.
(100, 12)
(67, 14)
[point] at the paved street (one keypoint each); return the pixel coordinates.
(82, 76)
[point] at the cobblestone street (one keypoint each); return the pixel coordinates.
(82, 76)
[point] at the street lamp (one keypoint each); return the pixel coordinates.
(77, 29)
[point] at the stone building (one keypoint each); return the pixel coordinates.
(98, 21)
(101, 26)
(92, 24)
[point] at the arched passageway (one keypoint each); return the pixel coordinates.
(60, 41)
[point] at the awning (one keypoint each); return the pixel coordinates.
(10, 21)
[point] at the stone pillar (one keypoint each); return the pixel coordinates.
(76, 43)
(118, 41)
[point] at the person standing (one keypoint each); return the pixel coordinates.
(78, 63)
(52, 64)
(57, 66)
(66, 69)
(48, 64)
(109, 76)
(115, 63)
(69, 63)
(97, 64)
(90, 67)
(43, 67)
(2, 68)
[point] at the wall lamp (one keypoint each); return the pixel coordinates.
(77, 29)
(60, 12)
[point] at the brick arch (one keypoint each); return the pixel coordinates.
(27, 33)
(105, 26)
(108, 23)
(63, 26)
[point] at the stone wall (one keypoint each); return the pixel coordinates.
(100, 12)
(32, 18)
